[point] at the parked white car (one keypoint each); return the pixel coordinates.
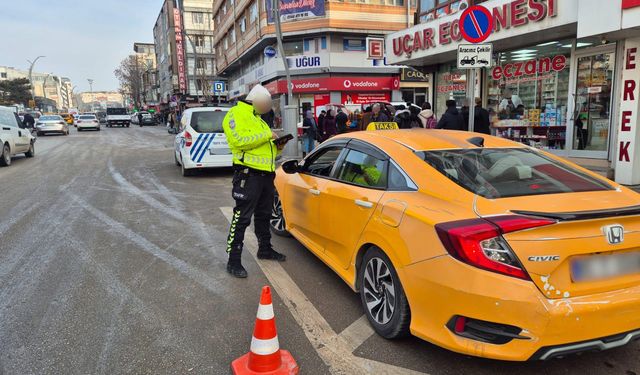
(14, 139)
(201, 142)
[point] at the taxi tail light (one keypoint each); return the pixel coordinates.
(188, 139)
(479, 242)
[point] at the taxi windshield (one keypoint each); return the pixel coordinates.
(207, 121)
(502, 173)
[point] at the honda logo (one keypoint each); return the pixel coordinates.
(614, 233)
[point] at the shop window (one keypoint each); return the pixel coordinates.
(429, 10)
(197, 17)
(528, 94)
(354, 45)
(451, 83)
(198, 40)
(293, 48)
(253, 12)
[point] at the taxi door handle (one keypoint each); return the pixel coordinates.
(3, 128)
(364, 204)
(314, 191)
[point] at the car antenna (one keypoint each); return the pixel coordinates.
(476, 141)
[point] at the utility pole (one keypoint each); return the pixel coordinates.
(32, 63)
(91, 91)
(290, 118)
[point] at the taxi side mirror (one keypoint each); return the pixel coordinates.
(290, 167)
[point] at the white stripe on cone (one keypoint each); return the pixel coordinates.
(264, 347)
(265, 312)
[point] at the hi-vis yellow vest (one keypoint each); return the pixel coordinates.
(249, 138)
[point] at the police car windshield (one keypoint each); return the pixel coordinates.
(207, 122)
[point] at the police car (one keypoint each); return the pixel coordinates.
(201, 142)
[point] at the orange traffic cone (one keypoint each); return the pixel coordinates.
(265, 356)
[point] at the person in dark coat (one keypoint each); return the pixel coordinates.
(377, 115)
(464, 110)
(323, 114)
(481, 123)
(28, 121)
(341, 121)
(329, 125)
(452, 119)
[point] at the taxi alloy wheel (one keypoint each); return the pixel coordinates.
(5, 159)
(277, 223)
(382, 295)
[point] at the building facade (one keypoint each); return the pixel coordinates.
(564, 77)
(99, 101)
(184, 51)
(52, 91)
(324, 46)
(146, 55)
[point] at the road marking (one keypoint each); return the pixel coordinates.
(358, 332)
(336, 351)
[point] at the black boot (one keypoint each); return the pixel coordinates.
(267, 253)
(234, 266)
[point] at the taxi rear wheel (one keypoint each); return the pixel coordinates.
(277, 223)
(382, 295)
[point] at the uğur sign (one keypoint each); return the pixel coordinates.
(628, 156)
(419, 40)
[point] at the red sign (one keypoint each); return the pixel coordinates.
(182, 71)
(357, 84)
(320, 101)
(532, 67)
(476, 24)
(365, 98)
(627, 4)
(375, 48)
(515, 14)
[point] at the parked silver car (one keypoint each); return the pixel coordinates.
(48, 124)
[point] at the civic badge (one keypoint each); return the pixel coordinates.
(614, 233)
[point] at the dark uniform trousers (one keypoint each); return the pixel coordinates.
(253, 192)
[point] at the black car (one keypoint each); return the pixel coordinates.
(482, 61)
(468, 60)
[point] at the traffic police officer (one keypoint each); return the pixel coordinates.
(254, 156)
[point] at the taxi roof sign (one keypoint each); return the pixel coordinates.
(382, 126)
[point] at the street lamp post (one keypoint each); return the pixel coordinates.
(32, 63)
(91, 91)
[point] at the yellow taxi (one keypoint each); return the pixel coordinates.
(475, 243)
(67, 117)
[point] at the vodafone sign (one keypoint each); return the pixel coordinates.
(358, 84)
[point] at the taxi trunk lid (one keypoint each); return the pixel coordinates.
(593, 246)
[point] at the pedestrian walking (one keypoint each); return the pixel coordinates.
(481, 122)
(140, 117)
(254, 161)
(310, 133)
(341, 121)
(427, 117)
(452, 118)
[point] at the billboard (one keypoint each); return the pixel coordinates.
(182, 72)
(295, 10)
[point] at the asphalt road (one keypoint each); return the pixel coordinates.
(112, 263)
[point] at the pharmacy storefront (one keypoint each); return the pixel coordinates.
(555, 82)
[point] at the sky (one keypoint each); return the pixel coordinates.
(81, 39)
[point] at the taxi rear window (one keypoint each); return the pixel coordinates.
(502, 173)
(207, 122)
